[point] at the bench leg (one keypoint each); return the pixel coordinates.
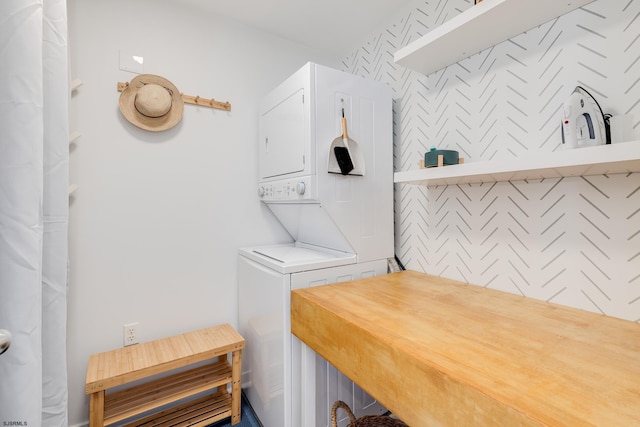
(236, 376)
(96, 409)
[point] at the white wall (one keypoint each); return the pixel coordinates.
(156, 222)
(573, 241)
(158, 217)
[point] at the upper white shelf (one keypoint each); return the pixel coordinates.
(481, 26)
(604, 159)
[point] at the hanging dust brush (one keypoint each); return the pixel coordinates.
(342, 153)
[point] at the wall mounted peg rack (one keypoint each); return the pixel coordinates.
(195, 100)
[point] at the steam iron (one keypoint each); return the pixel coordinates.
(583, 123)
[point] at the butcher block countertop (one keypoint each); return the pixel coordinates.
(438, 352)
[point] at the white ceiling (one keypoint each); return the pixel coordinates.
(333, 26)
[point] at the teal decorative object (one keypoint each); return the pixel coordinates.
(450, 157)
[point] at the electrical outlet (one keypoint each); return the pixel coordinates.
(130, 334)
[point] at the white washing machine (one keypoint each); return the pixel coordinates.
(286, 382)
(341, 225)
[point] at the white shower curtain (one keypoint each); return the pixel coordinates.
(34, 153)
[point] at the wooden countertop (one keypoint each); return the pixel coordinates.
(438, 352)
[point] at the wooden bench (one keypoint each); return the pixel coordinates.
(145, 365)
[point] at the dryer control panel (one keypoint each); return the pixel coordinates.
(300, 189)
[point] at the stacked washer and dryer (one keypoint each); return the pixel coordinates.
(341, 225)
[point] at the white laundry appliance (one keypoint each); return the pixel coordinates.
(341, 223)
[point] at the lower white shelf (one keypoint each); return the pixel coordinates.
(601, 160)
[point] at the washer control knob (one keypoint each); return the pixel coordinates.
(301, 188)
(261, 191)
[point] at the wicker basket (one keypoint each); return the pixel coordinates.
(366, 421)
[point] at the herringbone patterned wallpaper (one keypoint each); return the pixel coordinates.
(573, 241)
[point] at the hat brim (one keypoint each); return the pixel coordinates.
(153, 124)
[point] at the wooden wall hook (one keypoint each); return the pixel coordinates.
(195, 100)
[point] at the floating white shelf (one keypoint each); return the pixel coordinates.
(601, 160)
(74, 137)
(481, 26)
(75, 84)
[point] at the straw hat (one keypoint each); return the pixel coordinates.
(152, 103)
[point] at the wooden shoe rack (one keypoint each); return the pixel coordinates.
(155, 384)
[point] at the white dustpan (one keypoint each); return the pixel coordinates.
(345, 156)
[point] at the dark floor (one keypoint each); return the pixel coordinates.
(247, 418)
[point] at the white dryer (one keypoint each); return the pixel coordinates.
(341, 226)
